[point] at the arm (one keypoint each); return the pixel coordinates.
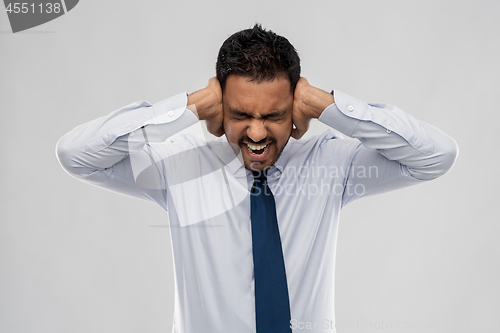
(113, 150)
(401, 149)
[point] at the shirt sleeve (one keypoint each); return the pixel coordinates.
(396, 149)
(114, 151)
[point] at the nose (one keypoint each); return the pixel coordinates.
(257, 130)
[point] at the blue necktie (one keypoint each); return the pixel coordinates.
(272, 305)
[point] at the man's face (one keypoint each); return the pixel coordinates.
(258, 118)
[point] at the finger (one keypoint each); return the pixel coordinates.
(295, 134)
(215, 127)
(298, 132)
(301, 125)
(219, 132)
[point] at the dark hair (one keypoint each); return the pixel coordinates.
(259, 54)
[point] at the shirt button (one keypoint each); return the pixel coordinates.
(350, 108)
(170, 113)
(388, 131)
(131, 134)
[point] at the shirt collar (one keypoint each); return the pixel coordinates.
(282, 160)
(223, 150)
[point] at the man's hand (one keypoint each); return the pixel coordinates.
(207, 103)
(308, 102)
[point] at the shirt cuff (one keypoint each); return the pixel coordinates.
(170, 116)
(345, 114)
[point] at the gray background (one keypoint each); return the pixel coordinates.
(74, 258)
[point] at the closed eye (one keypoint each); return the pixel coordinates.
(239, 115)
(273, 116)
(277, 115)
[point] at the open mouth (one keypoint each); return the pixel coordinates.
(257, 150)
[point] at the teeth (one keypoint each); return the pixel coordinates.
(255, 147)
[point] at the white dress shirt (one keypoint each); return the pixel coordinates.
(205, 189)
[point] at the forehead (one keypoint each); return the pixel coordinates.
(257, 97)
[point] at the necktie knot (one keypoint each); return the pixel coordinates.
(260, 177)
(260, 180)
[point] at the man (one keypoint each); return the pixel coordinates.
(254, 215)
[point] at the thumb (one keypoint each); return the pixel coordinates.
(299, 131)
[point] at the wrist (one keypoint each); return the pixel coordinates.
(202, 102)
(316, 101)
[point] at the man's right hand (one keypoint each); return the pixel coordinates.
(207, 103)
